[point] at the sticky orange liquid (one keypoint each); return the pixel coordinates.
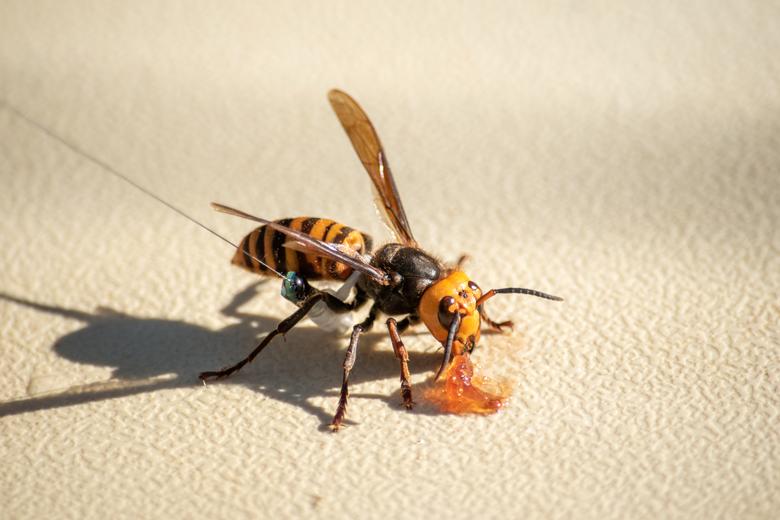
(460, 391)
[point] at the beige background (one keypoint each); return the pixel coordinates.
(623, 156)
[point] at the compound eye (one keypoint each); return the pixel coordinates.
(447, 310)
(475, 288)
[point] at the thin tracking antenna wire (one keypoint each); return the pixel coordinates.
(107, 167)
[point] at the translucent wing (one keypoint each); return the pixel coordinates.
(366, 143)
(303, 242)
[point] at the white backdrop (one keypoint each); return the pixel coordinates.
(624, 156)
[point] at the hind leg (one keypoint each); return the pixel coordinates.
(284, 326)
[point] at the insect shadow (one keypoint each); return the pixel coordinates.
(142, 351)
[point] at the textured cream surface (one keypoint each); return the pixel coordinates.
(625, 157)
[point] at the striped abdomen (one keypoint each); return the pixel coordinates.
(268, 245)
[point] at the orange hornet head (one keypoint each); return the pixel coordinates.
(450, 311)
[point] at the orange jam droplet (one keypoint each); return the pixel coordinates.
(460, 391)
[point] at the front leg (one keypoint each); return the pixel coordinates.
(461, 261)
(493, 325)
(395, 328)
(349, 362)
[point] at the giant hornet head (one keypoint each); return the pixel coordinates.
(451, 308)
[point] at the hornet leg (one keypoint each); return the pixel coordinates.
(349, 362)
(400, 352)
(493, 325)
(461, 261)
(284, 326)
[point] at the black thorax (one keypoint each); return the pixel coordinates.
(413, 271)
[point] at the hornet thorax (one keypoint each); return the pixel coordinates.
(413, 271)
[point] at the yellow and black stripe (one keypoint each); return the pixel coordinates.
(268, 245)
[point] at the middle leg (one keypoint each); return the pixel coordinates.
(349, 362)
